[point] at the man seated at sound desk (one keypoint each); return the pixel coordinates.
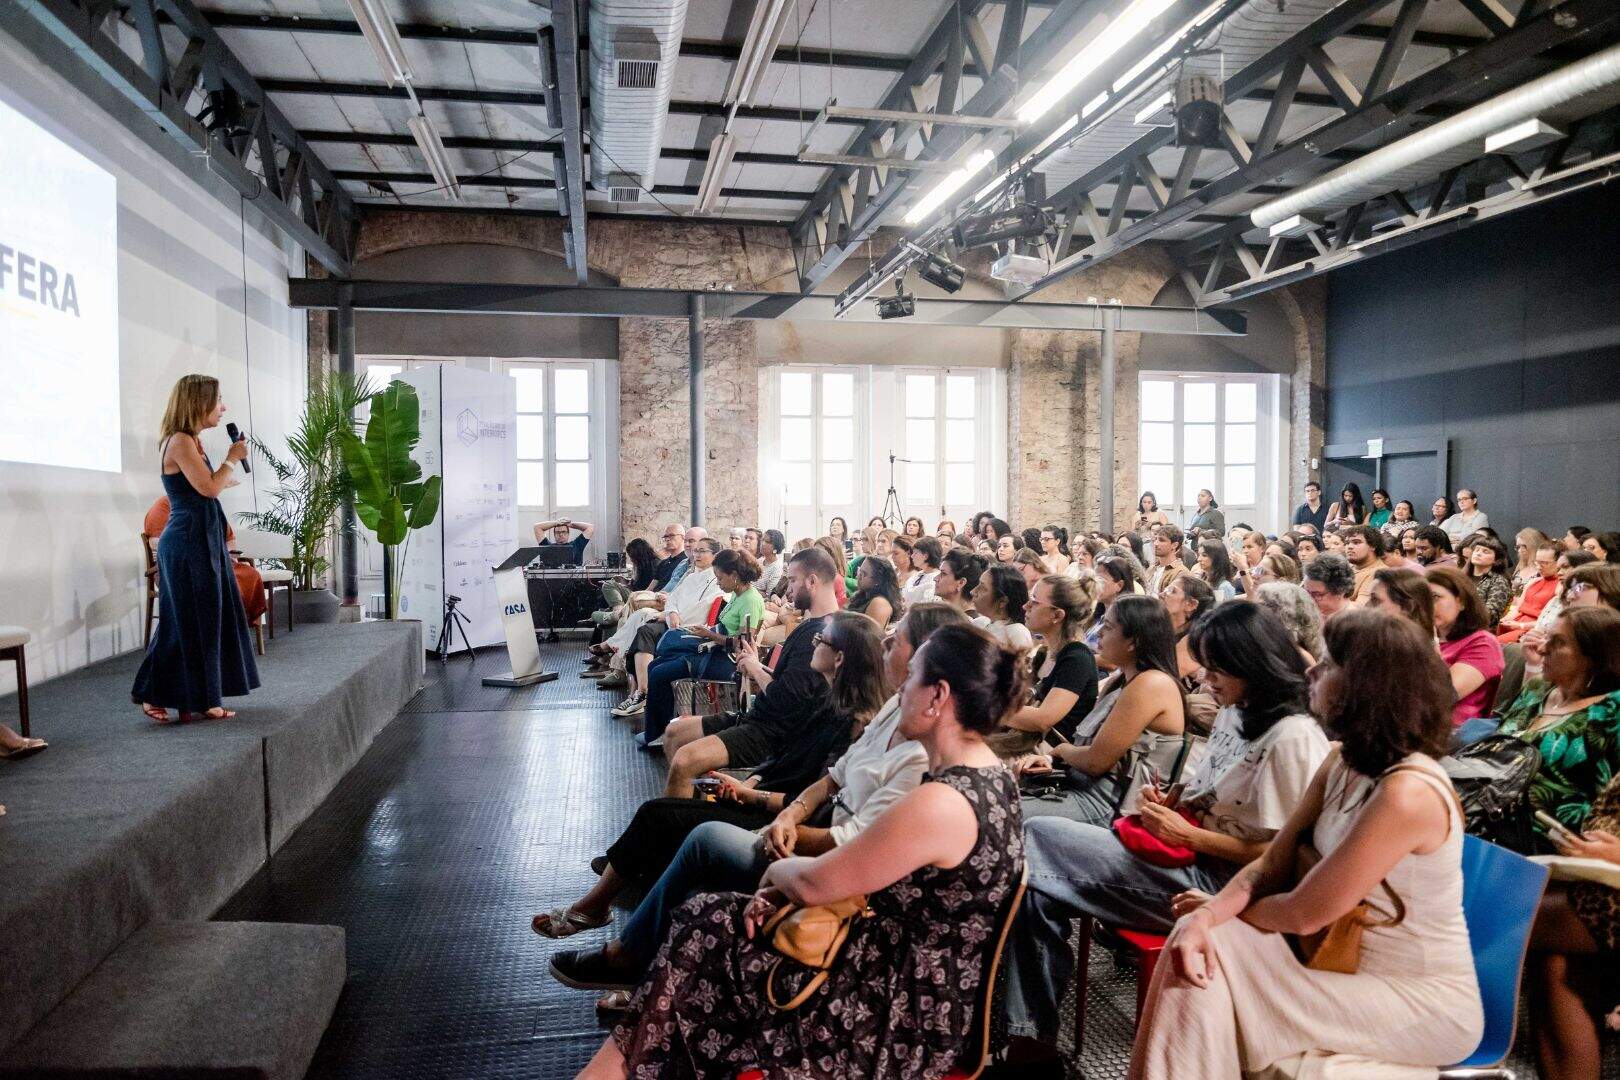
(559, 531)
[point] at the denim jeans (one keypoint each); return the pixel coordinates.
(677, 658)
(1093, 799)
(716, 857)
(1077, 869)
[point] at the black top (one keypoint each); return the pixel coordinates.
(1306, 516)
(578, 543)
(810, 753)
(1074, 670)
(666, 569)
(795, 692)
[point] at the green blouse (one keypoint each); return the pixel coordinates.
(747, 604)
(1580, 753)
(1377, 518)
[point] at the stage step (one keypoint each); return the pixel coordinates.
(242, 1000)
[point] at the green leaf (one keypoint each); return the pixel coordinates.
(425, 507)
(392, 524)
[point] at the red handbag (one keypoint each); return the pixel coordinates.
(1149, 848)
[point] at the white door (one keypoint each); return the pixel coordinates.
(561, 445)
(817, 444)
(946, 445)
(1214, 431)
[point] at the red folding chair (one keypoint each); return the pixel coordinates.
(1146, 948)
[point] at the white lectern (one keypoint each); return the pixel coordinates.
(522, 650)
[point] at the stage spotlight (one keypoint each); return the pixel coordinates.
(901, 305)
(941, 273)
(1023, 222)
(1198, 111)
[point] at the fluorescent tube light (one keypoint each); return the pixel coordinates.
(758, 49)
(438, 162)
(721, 151)
(378, 27)
(949, 186)
(1113, 37)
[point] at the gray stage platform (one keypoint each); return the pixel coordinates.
(123, 823)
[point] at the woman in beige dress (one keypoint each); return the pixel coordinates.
(1232, 995)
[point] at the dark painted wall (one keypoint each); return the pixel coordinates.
(1503, 338)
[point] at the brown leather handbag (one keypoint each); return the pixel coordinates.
(812, 936)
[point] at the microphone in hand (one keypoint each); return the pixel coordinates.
(236, 436)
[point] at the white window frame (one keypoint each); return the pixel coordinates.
(773, 506)
(1271, 434)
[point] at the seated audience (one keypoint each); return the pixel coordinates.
(1148, 515)
(1215, 568)
(848, 660)
(1231, 994)
(1468, 519)
(636, 640)
(959, 572)
(1307, 548)
(879, 769)
(1470, 650)
(995, 529)
(249, 582)
(1605, 546)
(1572, 949)
(1031, 538)
(1572, 713)
(1007, 548)
(1487, 569)
(1030, 566)
(787, 697)
(1186, 599)
(1526, 542)
(925, 555)
(1364, 550)
(1439, 511)
(1059, 611)
(837, 555)
(900, 555)
(1167, 564)
(1433, 546)
(1574, 537)
(1115, 578)
(1535, 595)
(1330, 581)
(1402, 520)
(1138, 723)
(1348, 510)
(945, 531)
(1261, 758)
(913, 529)
(937, 869)
(681, 653)
(1380, 513)
(771, 564)
(1000, 597)
(1296, 610)
(1405, 593)
(1083, 555)
(878, 593)
(1251, 549)
(1332, 541)
(1054, 538)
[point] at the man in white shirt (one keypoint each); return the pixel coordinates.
(1468, 519)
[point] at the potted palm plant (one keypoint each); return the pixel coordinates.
(311, 482)
(391, 498)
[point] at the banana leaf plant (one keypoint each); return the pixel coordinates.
(391, 498)
(310, 478)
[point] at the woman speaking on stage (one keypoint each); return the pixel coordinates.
(201, 653)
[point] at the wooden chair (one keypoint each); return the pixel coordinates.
(12, 641)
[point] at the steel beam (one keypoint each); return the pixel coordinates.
(342, 330)
(565, 27)
(698, 443)
(542, 183)
(671, 153)
(608, 302)
(1492, 63)
(206, 100)
(1108, 366)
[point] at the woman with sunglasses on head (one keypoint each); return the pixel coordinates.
(1138, 721)
(1230, 992)
(1059, 611)
(937, 870)
(848, 655)
(1261, 756)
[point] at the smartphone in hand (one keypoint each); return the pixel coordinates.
(1555, 828)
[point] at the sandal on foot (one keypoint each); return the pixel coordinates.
(223, 714)
(613, 1003)
(565, 922)
(157, 715)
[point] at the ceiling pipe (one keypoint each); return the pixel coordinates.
(1539, 97)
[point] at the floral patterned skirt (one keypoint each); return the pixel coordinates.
(892, 1007)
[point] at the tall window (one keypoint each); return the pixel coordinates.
(553, 435)
(827, 434)
(815, 476)
(1208, 431)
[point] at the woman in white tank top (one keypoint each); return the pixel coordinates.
(1233, 996)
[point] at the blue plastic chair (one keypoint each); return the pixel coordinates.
(1501, 892)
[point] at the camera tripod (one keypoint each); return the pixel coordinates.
(453, 621)
(891, 502)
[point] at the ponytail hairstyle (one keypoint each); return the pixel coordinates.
(986, 680)
(1077, 599)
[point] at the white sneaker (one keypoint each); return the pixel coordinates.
(632, 705)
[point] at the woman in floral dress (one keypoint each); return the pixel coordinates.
(938, 869)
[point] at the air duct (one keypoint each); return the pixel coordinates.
(634, 44)
(1453, 140)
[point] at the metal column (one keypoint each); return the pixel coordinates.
(348, 536)
(694, 378)
(1105, 433)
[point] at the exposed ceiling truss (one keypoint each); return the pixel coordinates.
(1094, 228)
(202, 96)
